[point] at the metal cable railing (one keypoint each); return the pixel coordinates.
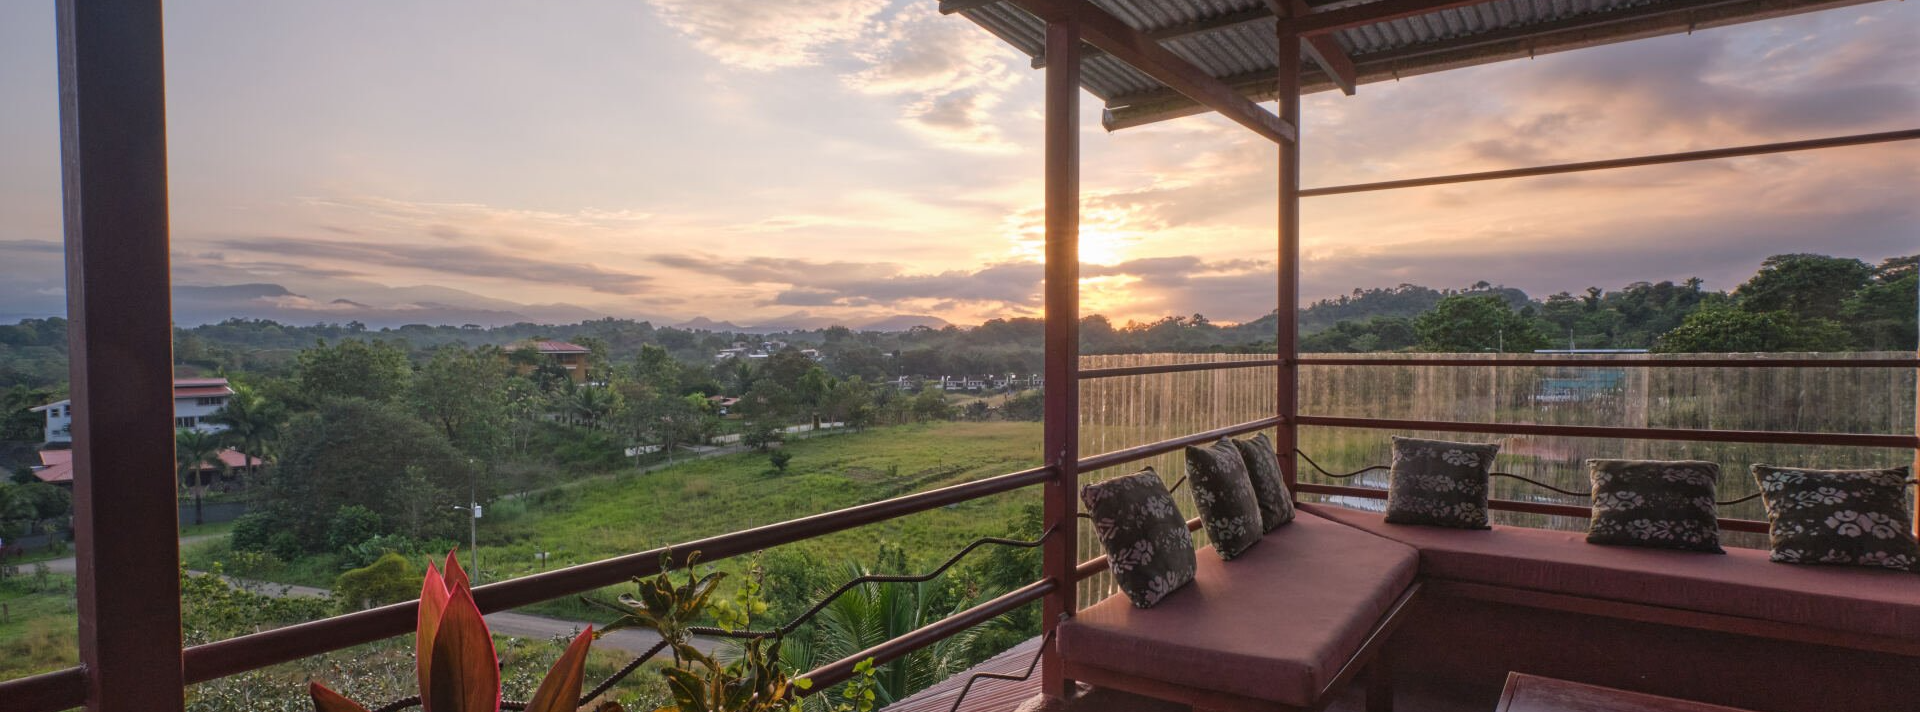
(781, 631)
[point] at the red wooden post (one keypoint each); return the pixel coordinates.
(113, 141)
(1287, 330)
(1062, 430)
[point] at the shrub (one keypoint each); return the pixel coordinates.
(780, 458)
(351, 524)
(253, 531)
(386, 580)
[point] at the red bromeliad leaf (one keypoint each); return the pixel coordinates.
(325, 700)
(456, 576)
(560, 692)
(433, 602)
(464, 674)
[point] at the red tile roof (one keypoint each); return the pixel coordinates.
(201, 387)
(57, 466)
(560, 347)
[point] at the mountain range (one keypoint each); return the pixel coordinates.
(397, 306)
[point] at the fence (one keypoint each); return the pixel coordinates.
(1725, 392)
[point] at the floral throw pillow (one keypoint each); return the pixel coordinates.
(1225, 497)
(1655, 503)
(1148, 547)
(1857, 517)
(1269, 485)
(1439, 483)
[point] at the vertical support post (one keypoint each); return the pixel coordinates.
(113, 148)
(1062, 431)
(1287, 326)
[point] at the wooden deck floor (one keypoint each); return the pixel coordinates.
(1004, 695)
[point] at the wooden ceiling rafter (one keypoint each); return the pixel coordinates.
(1115, 37)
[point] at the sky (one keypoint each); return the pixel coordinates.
(813, 161)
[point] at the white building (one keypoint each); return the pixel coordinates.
(193, 400)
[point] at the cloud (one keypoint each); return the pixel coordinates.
(949, 75)
(466, 260)
(761, 35)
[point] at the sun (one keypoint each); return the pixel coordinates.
(1103, 247)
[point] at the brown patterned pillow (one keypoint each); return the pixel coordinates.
(1225, 497)
(1854, 517)
(1148, 547)
(1439, 483)
(1655, 503)
(1269, 485)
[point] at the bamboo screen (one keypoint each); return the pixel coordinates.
(1135, 410)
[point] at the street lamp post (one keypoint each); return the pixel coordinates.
(473, 509)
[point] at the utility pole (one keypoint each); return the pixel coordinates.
(473, 528)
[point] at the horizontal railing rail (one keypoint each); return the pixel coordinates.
(1712, 153)
(45, 692)
(1509, 505)
(841, 670)
(250, 652)
(1631, 362)
(1602, 431)
(1142, 452)
(65, 688)
(1116, 371)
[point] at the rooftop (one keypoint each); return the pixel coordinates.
(1359, 42)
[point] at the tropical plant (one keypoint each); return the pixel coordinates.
(455, 660)
(252, 421)
(753, 682)
(872, 613)
(196, 452)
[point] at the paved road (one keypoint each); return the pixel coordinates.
(519, 625)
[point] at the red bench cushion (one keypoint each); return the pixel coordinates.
(1275, 624)
(1742, 583)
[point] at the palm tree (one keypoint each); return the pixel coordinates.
(195, 452)
(589, 405)
(252, 421)
(873, 613)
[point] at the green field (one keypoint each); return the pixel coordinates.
(38, 632)
(593, 519)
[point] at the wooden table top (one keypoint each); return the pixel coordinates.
(1532, 693)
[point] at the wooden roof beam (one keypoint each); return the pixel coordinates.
(948, 7)
(1322, 48)
(1134, 47)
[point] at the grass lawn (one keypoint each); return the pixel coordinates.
(730, 493)
(602, 517)
(38, 632)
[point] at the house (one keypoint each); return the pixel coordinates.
(56, 466)
(570, 357)
(194, 399)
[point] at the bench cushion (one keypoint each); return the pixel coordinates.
(1276, 624)
(1743, 583)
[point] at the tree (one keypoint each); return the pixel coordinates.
(931, 404)
(375, 455)
(1726, 329)
(779, 460)
(375, 371)
(1804, 285)
(252, 421)
(1472, 324)
(1882, 315)
(195, 453)
(464, 394)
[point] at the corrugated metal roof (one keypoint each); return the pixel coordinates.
(1244, 53)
